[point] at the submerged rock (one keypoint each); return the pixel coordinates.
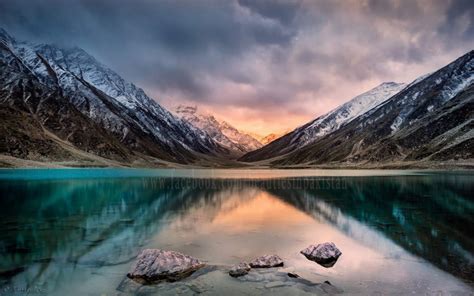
(154, 265)
(194, 284)
(262, 279)
(267, 261)
(328, 288)
(239, 269)
(325, 254)
(293, 275)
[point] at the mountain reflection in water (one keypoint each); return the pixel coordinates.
(50, 227)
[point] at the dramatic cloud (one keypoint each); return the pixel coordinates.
(262, 65)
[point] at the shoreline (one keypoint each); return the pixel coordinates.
(7, 162)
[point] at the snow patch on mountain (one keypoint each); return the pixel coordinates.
(444, 85)
(451, 91)
(347, 112)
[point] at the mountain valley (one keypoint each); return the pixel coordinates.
(61, 107)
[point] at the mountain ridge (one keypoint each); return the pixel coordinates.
(78, 81)
(430, 120)
(327, 123)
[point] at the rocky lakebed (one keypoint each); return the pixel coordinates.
(170, 272)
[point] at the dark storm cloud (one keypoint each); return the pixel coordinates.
(183, 26)
(459, 11)
(176, 78)
(174, 38)
(301, 56)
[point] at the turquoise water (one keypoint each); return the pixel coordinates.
(77, 231)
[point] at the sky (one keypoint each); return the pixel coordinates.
(263, 66)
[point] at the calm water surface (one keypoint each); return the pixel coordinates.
(77, 231)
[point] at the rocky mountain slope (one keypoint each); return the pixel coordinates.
(429, 120)
(327, 123)
(57, 103)
(238, 143)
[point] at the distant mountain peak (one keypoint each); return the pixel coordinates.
(265, 139)
(221, 131)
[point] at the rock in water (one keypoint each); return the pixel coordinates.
(154, 265)
(267, 261)
(293, 275)
(239, 269)
(325, 254)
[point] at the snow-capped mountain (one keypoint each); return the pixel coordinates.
(118, 107)
(329, 122)
(268, 138)
(350, 110)
(245, 140)
(432, 119)
(222, 132)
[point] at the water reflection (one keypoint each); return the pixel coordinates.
(50, 229)
(429, 216)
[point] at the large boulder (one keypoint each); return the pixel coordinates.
(267, 261)
(154, 265)
(325, 254)
(239, 269)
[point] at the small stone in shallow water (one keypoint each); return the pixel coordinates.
(329, 289)
(325, 254)
(292, 275)
(154, 265)
(267, 261)
(239, 269)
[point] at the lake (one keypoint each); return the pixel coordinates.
(78, 231)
